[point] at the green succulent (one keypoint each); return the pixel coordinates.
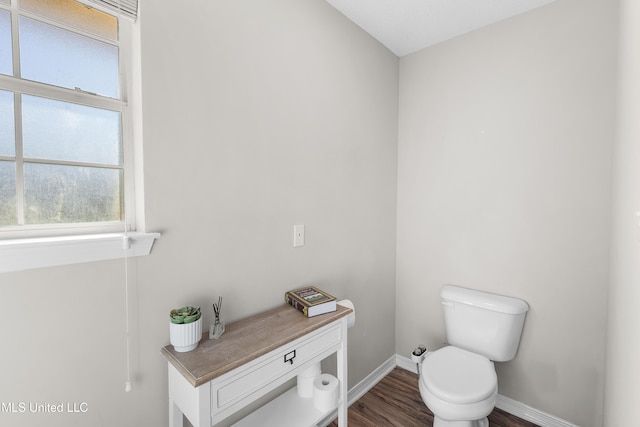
(187, 314)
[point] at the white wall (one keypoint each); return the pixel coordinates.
(505, 139)
(274, 114)
(622, 391)
(257, 116)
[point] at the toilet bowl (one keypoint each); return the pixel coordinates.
(460, 387)
(458, 382)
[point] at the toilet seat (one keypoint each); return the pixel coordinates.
(458, 376)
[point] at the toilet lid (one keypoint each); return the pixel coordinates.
(458, 376)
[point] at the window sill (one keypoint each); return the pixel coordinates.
(26, 254)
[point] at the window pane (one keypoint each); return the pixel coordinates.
(70, 194)
(75, 14)
(8, 214)
(59, 130)
(59, 57)
(7, 128)
(6, 62)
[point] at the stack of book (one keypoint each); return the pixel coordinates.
(311, 301)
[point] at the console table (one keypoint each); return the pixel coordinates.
(254, 356)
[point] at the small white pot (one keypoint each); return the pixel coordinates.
(185, 337)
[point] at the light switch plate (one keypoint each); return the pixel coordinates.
(298, 236)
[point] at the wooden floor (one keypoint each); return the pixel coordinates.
(396, 401)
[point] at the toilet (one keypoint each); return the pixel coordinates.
(458, 382)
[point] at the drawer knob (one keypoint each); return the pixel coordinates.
(289, 357)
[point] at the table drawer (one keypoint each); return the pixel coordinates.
(272, 366)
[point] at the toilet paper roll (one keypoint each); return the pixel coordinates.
(325, 392)
(305, 381)
(351, 317)
(312, 371)
(305, 387)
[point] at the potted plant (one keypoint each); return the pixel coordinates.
(185, 328)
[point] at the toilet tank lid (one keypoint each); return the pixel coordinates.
(484, 300)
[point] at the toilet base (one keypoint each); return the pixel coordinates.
(439, 422)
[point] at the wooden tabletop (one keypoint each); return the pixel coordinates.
(246, 340)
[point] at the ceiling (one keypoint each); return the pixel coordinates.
(406, 26)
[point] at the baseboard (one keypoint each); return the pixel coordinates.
(406, 364)
(360, 389)
(504, 403)
(528, 413)
(371, 380)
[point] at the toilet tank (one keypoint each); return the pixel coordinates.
(483, 323)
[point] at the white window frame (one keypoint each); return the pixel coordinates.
(34, 246)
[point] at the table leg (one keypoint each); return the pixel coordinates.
(175, 415)
(343, 404)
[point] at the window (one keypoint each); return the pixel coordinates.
(65, 144)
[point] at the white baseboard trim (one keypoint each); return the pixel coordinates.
(360, 389)
(528, 413)
(504, 403)
(371, 380)
(406, 364)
